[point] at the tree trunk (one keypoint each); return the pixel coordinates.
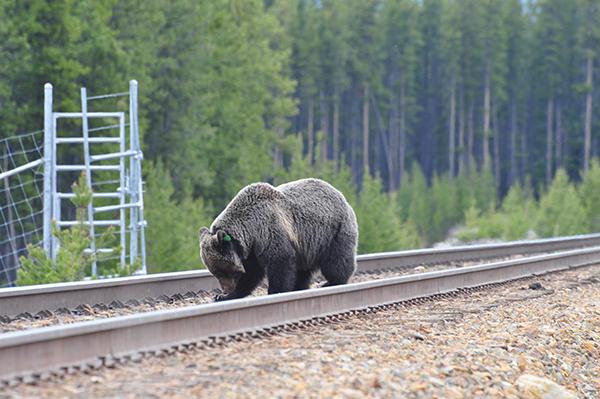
(523, 153)
(277, 153)
(549, 135)
(324, 127)
(461, 134)
(513, 143)
(402, 135)
(355, 154)
(496, 137)
(393, 144)
(336, 128)
(365, 129)
(451, 129)
(587, 135)
(526, 138)
(470, 137)
(558, 144)
(486, 118)
(310, 131)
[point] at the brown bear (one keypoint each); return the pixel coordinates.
(285, 233)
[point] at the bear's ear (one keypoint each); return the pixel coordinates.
(223, 236)
(203, 231)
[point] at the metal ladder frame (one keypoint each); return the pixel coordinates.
(130, 181)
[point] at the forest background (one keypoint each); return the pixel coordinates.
(440, 120)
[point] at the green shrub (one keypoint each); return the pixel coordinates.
(419, 211)
(480, 225)
(589, 192)
(445, 203)
(519, 210)
(561, 211)
(379, 225)
(172, 233)
(71, 261)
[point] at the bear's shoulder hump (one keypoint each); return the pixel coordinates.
(260, 191)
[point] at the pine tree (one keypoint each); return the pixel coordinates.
(450, 51)
(516, 82)
(554, 35)
(400, 41)
(471, 25)
(589, 40)
(365, 70)
(72, 262)
(335, 53)
(15, 64)
(306, 56)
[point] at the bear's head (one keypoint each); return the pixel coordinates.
(219, 253)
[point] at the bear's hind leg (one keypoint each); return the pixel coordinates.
(340, 262)
(338, 271)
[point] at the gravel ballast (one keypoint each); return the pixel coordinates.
(512, 341)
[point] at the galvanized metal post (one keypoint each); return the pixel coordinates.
(137, 170)
(88, 176)
(55, 198)
(122, 190)
(48, 172)
(133, 215)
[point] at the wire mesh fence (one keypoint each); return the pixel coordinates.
(21, 200)
(37, 198)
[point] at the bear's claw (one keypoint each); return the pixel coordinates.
(221, 297)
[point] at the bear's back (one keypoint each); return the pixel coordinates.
(318, 210)
(313, 195)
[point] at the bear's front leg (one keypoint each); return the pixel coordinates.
(281, 271)
(246, 283)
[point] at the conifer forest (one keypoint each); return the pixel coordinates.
(438, 119)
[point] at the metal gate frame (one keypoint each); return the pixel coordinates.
(130, 191)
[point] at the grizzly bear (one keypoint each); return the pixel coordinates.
(285, 233)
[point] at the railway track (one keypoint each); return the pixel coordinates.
(98, 343)
(43, 298)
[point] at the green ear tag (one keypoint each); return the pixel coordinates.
(227, 237)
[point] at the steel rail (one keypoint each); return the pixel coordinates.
(89, 343)
(33, 299)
